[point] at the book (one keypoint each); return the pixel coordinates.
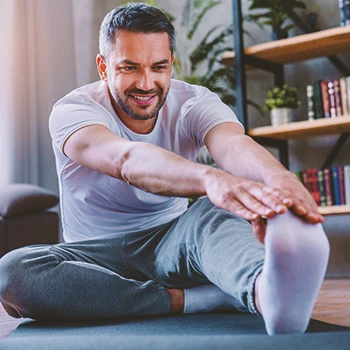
(312, 180)
(328, 186)
(348, 89)
(299, 175)
(347, 184)
(341, 185)
(344, 96)
(337, 98)
(305, 181)
(321, 188)
(310, 102)
(331, 94)
(335, 185)
(325, 98)
(318, 105)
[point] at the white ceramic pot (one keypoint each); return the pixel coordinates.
(281, 116)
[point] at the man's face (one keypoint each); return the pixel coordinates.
(138, 73)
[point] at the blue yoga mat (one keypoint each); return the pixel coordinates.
(199, 331)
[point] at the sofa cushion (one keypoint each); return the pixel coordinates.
(21, 199)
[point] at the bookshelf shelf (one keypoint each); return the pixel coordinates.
(272, 57)
(335, 210)
(299, 48)
(304, 129)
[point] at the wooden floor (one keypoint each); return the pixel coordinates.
(332, 306)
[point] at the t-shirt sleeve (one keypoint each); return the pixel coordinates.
(67, 118)
(207, 112)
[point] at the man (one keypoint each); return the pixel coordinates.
(125, 149)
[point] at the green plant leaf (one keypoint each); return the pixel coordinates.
(257, 4)
(288, 27)
(215, 56)
(199, 18)
(262, 15)
(280, 97)
(278, 13)
(202, 47)
(199, 3)
(186, 13)
(201, 52)
(289, 5)
(228, 99)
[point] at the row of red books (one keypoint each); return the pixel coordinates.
(330, 186)
(328, 98)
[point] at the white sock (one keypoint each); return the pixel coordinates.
(296, 259)
(207, 297)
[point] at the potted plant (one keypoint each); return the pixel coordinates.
(280, 102)
(276, 15)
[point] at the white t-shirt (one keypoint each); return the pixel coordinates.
(95, 205)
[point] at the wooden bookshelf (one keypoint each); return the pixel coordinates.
(335, 210)
(299, 48)
(304, 129)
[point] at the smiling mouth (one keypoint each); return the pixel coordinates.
(143, 100)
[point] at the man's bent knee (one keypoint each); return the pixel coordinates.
(15, 278)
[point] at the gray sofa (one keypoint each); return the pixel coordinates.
(26, 217)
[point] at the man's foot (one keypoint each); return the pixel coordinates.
(296, 259)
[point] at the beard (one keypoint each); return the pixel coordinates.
(122, 101)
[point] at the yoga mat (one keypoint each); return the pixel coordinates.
(199, 331)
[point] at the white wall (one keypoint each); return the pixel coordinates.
(88, 16)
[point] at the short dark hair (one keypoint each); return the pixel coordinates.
(135, 17)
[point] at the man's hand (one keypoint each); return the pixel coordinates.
(301, 201)
(297, 198)
(253, 200)
(246, 198)
(239, 155)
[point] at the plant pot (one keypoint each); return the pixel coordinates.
(281, 116)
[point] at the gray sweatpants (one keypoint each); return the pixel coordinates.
(128, 275)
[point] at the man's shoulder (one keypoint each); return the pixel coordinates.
(88, 94)
(187, 94)
(182, 87)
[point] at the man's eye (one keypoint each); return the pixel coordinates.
(128, 68)
(159, 68)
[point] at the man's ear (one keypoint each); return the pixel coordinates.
(102, 67)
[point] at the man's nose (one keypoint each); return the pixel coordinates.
(145, 81)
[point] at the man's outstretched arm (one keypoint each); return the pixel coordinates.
(154, 169)
(239, 155)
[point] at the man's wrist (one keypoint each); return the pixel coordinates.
(211, 176)
(280, 177)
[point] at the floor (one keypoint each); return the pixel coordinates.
(332, 306)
